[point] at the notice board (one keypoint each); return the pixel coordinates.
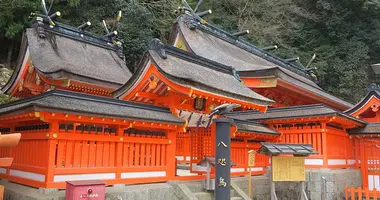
(251, 158)
(288, 168)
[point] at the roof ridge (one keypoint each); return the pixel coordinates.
(373, 123)
(74, 33)
(114, 101)
(242, 121)
(163, 49)
(284, 108)
(362, 101)
(83, 96)
(228, 37)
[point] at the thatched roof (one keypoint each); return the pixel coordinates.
(218, 45)
(197, 72)
(78, 103)
(371, 128)
(291, 112)
(66, 53)
(254, 127)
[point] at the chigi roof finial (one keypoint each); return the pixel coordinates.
(159, 47)
(197, 15)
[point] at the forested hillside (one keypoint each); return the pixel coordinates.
(345, 35)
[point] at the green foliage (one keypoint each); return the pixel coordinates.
(343, 34)
(135, 29)
(14, 16)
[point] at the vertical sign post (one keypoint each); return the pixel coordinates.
(251, 163)
(222, 158)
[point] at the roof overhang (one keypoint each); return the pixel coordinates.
(244, 126)
(188, 86)
(301, 114)
(369, 129)
(286, 80)
(51, 106)
(372, 97)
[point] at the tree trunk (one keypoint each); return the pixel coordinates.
(8, 62)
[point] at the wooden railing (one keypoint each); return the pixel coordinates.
(239, 155)
(303, 135)
(359, 193)
(202, 143)
(48, 159)
(183, 147)
(334, 147)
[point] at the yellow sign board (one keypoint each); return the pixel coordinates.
(251, 158)
(288, 168)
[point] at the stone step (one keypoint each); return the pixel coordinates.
(232, 193)
(204, 195)
(210, 195)
(195, 187)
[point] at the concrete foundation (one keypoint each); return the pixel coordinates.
(330, 183)
(321, 184)
(159, 191)
(260, 186)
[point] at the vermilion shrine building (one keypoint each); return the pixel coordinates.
(83, 115)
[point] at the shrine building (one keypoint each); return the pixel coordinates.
(83, 115)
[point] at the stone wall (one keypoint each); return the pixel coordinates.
(335, 181)
(320, 183)
(260, 186)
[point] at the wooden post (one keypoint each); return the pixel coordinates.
(119, 151)
(302, 192)
(52, 142)
(251, 163)
(170, 155)
(1, 192)
(273, 195)
(363, 165)
(250, 182)
(324, 146)
(12, 130)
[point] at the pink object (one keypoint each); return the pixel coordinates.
(85, 190)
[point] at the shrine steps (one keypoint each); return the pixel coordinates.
(193, 190)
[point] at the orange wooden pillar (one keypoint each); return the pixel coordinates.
(119, 151)
(12, 130)
(357, 152)
(324, 145)
(363, 164)
(52, 142)
(245, 159)
(171, 164)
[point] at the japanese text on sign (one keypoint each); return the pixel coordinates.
(222, 161)
(251, 158)
(222, 183)
(288, 168)
(223, 144)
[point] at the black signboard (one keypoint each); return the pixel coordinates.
(222, 158)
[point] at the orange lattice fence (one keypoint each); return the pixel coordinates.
(47, 158)
(239, 155)
(359, 193)
(183, 147)
(201, 145)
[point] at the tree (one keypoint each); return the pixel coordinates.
(343, 34)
